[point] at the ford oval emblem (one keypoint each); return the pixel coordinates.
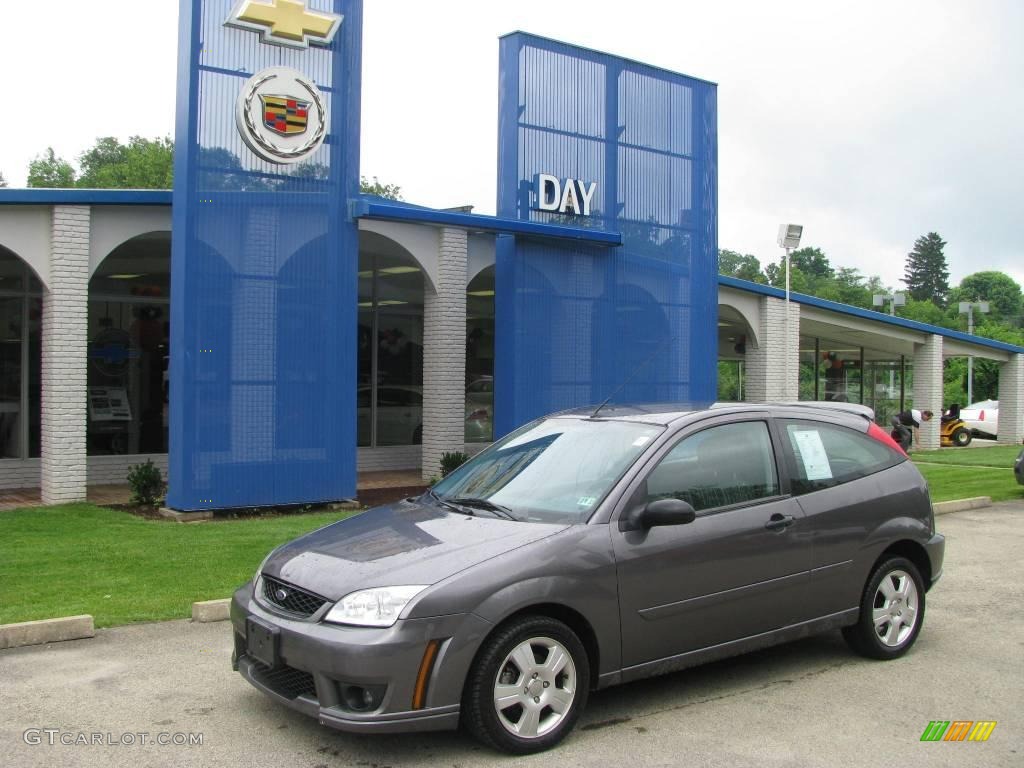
(281, 594)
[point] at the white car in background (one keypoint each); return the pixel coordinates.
(982, 418)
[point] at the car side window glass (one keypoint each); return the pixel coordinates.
(718, 467)
(828, 454)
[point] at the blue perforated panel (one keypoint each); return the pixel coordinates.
(262, 370)
(573, 323)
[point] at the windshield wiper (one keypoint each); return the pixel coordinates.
(490, 506)
(450, 505)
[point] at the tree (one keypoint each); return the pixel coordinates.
(741, 265)
(998, 288)
(927, 273)
(379, 188)
(812, 262)
(798, 281)
(48, 170)
(925, 311)
(139, 164)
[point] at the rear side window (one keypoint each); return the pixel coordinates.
(827, 455)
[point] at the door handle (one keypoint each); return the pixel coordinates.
(778, 522)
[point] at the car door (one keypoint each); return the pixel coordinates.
(837, 478)
(739, 569)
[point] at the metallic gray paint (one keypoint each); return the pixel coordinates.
(645, 601)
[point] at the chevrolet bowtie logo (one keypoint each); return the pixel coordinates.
(285, 22)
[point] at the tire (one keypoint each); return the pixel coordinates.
(961, 437)
(532, 691)
(882, 630)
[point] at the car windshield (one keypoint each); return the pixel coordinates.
(551, 470)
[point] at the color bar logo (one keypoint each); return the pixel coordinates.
(958, 730)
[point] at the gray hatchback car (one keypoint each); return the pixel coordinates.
(582, 551)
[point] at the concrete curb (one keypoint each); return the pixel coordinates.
(961, 505)
(46, 631)
(185, 517)
(211, 610)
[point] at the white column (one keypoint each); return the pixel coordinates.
(64, 351)
(767, 378)
(444, 353)
(928, 388)
(1011, 401)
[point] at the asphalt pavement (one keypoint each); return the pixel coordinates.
(810, 703)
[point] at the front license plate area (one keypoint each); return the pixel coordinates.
(261, 642)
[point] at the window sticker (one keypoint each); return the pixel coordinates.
(586, 501)
(812, 452)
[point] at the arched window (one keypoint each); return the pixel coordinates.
(129, 332)
(480, 358)
(389, 394)
(21, 312)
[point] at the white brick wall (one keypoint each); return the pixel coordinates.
(767, 377)
(64, 348)
(390, 457)
(113, 470)
(928, 388)
(19, 473)
(444, 353)
(1011, 401)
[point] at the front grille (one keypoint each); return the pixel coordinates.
(284, 680)
(291, 599)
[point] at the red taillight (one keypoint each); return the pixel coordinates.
(882, 436)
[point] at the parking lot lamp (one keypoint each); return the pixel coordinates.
(967, 308)
(789, 239)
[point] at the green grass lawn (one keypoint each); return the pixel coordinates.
(951, 482)
(990, 456)
(79, 558)
(959, 473)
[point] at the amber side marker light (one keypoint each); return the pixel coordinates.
(419, 694)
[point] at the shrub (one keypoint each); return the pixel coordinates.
(146, 482)
(452, 460)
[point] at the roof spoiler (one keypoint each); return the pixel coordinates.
(829, 405)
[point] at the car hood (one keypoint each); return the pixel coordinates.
(403, 543)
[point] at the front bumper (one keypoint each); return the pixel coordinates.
(936, 550)
(318, 662)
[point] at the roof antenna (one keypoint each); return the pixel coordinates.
(636, 370)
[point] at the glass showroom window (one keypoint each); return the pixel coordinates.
(129, 333)
(389, 396)
(21, 312)
(831, 370)
(480, 358)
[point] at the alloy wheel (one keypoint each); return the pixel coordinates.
(895, 608)
(535, 687)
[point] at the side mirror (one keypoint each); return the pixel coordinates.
(658, 512)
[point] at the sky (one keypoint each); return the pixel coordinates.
(869, 123)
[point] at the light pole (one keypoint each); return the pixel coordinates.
(789, 239)
(894, 299)
(967, 308)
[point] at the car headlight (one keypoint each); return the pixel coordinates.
(256, 576)
(377, 607)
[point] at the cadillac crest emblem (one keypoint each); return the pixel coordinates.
(281, 116)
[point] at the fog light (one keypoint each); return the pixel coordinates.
(362, 698)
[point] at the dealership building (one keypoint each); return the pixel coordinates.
(264, 331)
